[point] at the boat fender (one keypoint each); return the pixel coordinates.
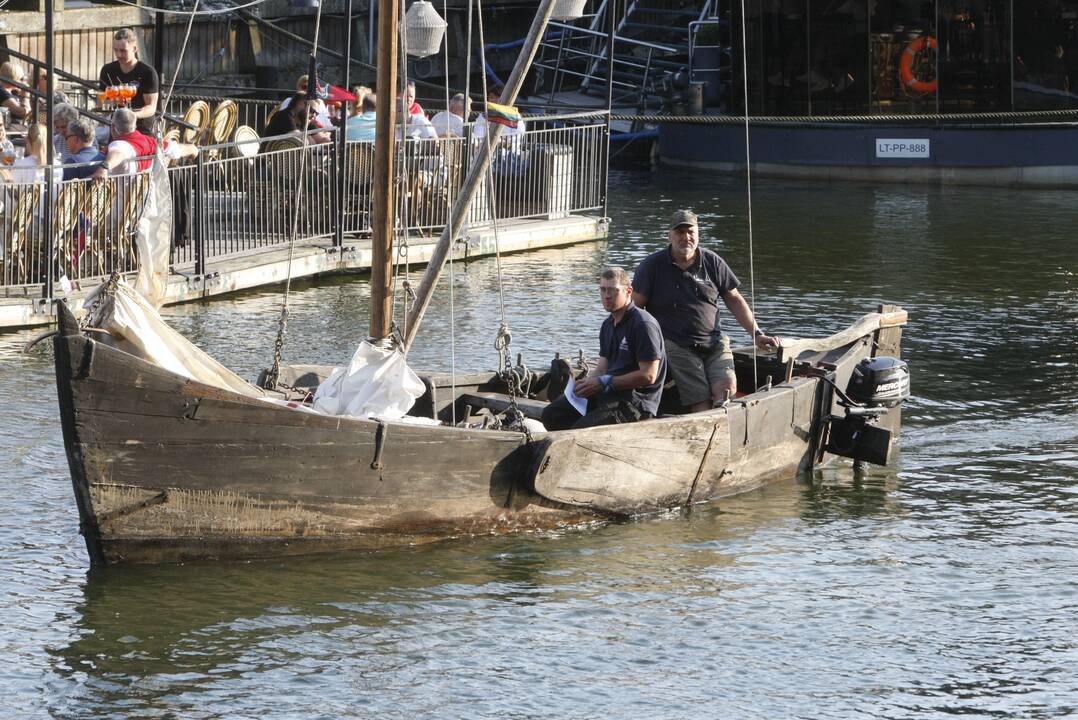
(905, 66)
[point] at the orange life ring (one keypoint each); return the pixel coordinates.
(905, 66)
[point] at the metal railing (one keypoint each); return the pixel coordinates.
(230, 201)
(581, 53)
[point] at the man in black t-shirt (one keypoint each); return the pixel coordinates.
(127, 69)
(681, 286)
(627, 382)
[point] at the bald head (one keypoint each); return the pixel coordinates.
(123, 121)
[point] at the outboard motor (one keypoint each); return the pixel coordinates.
(876, 386)
(879, 382)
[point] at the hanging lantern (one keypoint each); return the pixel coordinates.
(568, 9)
(424, 29)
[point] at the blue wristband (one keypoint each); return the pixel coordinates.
(608, 382)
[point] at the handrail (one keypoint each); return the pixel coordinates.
(617, 38)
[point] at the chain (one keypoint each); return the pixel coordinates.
(107, 293)
(514, 379)
(274, 373)
(582, 362)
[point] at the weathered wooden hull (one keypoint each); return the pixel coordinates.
(166, 469)
(775, 433)
(670, 462)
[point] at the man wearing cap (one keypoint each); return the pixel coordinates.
(681, 286)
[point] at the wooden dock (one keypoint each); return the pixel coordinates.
(314, 258)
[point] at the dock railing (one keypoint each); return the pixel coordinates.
(230, 202)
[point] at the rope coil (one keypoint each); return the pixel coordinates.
(1071, 114)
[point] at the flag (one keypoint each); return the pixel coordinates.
(503, 114)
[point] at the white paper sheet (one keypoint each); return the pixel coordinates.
(579, 403)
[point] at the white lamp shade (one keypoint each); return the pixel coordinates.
(424, 29)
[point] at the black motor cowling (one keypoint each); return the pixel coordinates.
(879, 382)
(876, 385)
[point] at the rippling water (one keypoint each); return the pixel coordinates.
(947, 584)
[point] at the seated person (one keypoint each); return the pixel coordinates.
(30, 168)
(512, 134)
(293, 119)
(42, 85)
(130, 144)
(627, 382)
(79, 138)
(321, 111)
(15, 100)
(62, 115)
(408, 96)
(415, 127)
(361, 127)
(450, 123)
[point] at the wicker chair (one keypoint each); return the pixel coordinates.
(65, 226)
(199, 116)
(96, 212)
(25, 204)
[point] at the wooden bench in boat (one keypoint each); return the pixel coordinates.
(499, 402)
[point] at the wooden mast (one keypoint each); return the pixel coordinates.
(384, 176)
(476, 174)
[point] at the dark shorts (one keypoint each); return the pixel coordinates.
(560, 415)
(695, 372)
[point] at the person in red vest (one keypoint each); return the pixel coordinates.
(130, 144)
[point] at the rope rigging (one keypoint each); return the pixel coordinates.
(512, 376)
(274, 373)
(748, 181)
(975, 118)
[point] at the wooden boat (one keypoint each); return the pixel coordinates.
(169, 469)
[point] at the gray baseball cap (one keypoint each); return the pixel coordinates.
(683, 217)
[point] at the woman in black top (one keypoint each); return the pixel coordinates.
(16, 102)
(127, 69)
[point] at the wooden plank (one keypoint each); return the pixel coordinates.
(888, 339)
(793, 347)
(625, 469)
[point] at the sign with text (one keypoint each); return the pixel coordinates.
(902, 148)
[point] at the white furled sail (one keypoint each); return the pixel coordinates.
(377, 383)
(135, 327)
(154, 235)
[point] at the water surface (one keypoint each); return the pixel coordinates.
(943, 585)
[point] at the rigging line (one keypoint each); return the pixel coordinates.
(451, 144)
(491, 200)
(748, 181)
(467, 67)
(404, 170)
(183, 50)
(301, 184)
(218, 11)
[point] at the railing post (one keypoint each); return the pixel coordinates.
(340, 165)
(200, 215)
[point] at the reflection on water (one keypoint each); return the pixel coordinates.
(941, 585)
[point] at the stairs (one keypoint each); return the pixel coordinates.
(651, 44)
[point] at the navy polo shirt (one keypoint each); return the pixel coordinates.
(685, 302)
(636, 338)
(87, 154)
